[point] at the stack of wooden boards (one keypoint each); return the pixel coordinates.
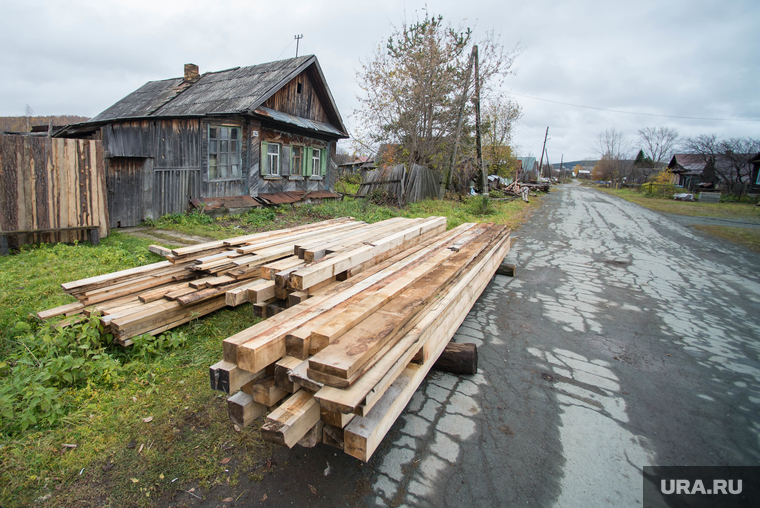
(341, 366)
(274, 270)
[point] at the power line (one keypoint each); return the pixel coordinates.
(634, 113)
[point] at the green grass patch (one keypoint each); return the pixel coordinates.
(695, 209)
(748, 237)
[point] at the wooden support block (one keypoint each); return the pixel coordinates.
(332, 436)
(260, 308)
(243, 410)
(228, 378)
(338, 420)
(95, 236)
(266, 392)
(505, 269)
(458, 359)
(297, 297)
(290, 422)
(313, 437)
(274, 308)
(281, 293)
(282, 370)
(4, 250)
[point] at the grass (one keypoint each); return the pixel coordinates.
(695, 209)
(748, 237)
(119, 459)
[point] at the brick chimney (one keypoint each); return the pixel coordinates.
(191, 73)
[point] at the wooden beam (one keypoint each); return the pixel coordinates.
(290, 422)
(228, 378)
(243, 410)
(282, 370)
(265, 391)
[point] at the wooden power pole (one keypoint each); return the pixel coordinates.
(478, 143)
(541, 164)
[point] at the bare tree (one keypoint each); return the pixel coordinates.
(28, 114)
(613, 149)
(658, 143)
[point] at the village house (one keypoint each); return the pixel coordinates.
(267, 131)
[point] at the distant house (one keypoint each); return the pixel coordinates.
(247, 131)
(754, 180)
(694, 170)
(584, 174)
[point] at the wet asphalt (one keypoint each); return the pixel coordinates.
(624, 340)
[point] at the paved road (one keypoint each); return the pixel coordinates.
(625, 340)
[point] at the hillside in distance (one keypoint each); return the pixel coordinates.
(24, 124)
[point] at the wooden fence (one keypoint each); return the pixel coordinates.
(51, 184)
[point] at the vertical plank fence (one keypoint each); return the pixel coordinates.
(49, 184)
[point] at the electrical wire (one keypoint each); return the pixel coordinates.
(634, 113)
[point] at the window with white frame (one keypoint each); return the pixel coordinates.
(224, 147)
(315, 161)
(273, 158)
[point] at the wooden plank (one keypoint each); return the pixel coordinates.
(269, 270)
(228, 378)
(107, 279)
(239, 295)
(262, 291)
(284, 232)
(243, 410)
(59, 311)
(299, 374)
(363, 435)
(290, 240)
(210, 292)
(349, 353)
(290, 422)
(328, 332)
(316, 252)
(264, 343)
(330, 266)
(365, 232)
(161, 292)
(366, 279)
(161, 251)
(173, 295)
(441, 321)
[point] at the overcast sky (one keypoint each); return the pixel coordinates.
(675, 58)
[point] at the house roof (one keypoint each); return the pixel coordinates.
(240, 90)
(695, 164)
(687, 163)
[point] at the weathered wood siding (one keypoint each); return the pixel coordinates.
(305, 104)
(129, 139)
(126, 181)
(51, 183)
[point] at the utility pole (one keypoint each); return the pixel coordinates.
(446, 181)
(541, 164)
(481, 164)
(561, 160)
(298, 41)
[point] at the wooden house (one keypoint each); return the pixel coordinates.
(248, 132)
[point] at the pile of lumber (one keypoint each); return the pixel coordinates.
(272, 269)
(340, 366)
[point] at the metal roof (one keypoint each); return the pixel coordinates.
(234, 91)
(304, 123)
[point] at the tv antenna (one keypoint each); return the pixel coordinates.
(298, 40)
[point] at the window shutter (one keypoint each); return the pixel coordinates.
(285, 163)
(303, 160)
(323, 161)
(264, 159)
(309, 155)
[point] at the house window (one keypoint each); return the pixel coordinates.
(224, 152)
(296, 153)
(315, 161)
(273, 158)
